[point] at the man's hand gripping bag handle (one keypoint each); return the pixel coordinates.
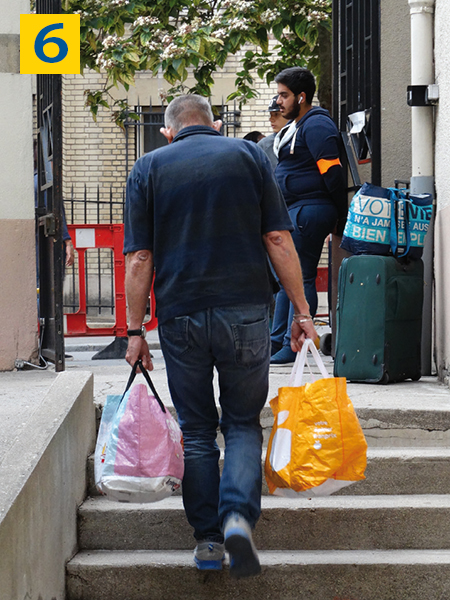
(144, 372)
(301, 359)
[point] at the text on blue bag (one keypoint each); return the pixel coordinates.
(384, 221)
(370, 220)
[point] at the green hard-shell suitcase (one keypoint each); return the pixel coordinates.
(379, 319)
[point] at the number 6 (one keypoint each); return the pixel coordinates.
(40, 42)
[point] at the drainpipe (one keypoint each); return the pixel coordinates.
(422, 137)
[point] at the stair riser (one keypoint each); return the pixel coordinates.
(383, 476)
(382, 428)
(278, 529)
(406, 438)
(289, 582)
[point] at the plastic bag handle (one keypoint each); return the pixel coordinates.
(296, 378)
(144, 372)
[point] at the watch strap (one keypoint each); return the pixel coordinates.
(141, 332)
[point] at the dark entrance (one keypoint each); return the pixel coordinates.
(356, 80)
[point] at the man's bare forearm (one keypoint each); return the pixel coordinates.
(284, 258)
(138, 281)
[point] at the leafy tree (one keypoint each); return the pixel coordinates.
(181, 37)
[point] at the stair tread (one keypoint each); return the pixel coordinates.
(408, 453)
(267, 557)
(391, 452)
(101, 503)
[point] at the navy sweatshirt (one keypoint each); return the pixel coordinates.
(313, 171)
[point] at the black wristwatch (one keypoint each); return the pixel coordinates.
(142, 332)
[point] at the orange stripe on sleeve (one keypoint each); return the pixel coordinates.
(325, 164)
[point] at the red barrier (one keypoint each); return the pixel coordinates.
(85, 237)
(322, 285)
(322, 279)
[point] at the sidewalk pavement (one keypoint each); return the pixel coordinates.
(21, 392)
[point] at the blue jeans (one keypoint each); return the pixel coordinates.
(312, 223)
(234, 340)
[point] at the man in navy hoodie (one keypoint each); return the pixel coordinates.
(311, 179)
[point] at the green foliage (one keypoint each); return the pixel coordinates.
(175, 37)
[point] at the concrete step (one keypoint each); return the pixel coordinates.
(387, 422)
(389, 471)
(287, 575)
(331, 523)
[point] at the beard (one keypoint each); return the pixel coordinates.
(293, 113)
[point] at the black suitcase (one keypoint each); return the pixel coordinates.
(379, 319)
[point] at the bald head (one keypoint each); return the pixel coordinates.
(188, 110)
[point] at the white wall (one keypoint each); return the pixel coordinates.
(10, 10)
(17, 239)
(442, 153)
(16, 147)
(395, 65)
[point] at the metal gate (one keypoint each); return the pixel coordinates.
(356, 78)
(49, 211)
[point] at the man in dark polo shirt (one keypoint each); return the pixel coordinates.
(201, 214)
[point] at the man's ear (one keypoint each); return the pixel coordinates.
(217, 125)
(167, 133)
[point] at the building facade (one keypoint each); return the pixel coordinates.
(18, 305)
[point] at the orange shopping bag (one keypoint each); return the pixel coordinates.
(316, 446)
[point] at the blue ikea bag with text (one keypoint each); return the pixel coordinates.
(385, 221)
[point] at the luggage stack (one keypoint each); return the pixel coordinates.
(380, 287)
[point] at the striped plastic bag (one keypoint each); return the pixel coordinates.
(139, 453)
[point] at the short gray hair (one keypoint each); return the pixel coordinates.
(190, 109)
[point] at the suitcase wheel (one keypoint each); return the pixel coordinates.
(385, 379)
(325, 344)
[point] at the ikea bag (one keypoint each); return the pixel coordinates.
(316, 446)
(139, 453)
(385, 221)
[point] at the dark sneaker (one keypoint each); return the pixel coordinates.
(208, 556)
(244, 561)
(285, 356)
(274, 348)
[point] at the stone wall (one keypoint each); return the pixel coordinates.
(93, 152)
(43, 481)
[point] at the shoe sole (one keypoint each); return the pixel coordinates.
(284, 363)
(244, 562)
(208, 565)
